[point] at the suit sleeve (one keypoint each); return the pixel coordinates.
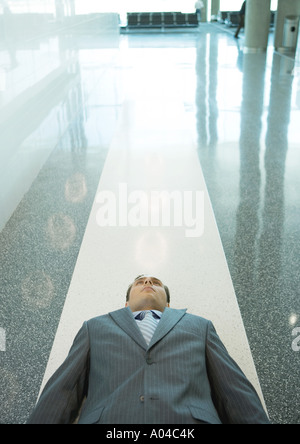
(61, 400)
(234, 396)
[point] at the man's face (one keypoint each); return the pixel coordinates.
(147, 293)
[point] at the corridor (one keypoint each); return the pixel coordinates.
(107, 125)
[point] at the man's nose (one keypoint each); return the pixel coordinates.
(148, 281)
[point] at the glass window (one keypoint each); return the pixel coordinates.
(92, 6)
(235, 5)
(29, 6)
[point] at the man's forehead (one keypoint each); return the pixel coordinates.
(143, 276)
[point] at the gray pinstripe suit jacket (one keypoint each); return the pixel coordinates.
(185, 376)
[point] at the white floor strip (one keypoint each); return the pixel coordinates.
(152, 153)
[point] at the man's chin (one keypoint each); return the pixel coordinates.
(147, 302)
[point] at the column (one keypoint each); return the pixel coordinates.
(257, 25)
(285, 7)
(207, 11)
(298, 54)
(215, 7)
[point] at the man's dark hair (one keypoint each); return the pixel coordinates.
(130, 287)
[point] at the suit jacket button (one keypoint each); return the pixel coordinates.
(142, 398)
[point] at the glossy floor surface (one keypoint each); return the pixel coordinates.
(114, 121)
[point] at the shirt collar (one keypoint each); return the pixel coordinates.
(157, 312)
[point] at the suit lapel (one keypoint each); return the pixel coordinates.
(125, 320)
(169, 319)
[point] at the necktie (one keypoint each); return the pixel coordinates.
(147, 322)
